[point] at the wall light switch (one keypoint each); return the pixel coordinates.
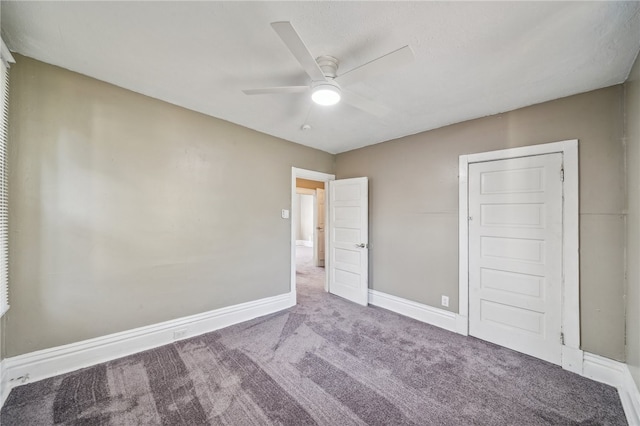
(285, 214)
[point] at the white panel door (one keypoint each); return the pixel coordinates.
(349, 239)
(515, 254)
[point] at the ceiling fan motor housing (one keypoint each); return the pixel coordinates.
(328, 65)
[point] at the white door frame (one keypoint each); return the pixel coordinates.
(320, 177)
(571, 353)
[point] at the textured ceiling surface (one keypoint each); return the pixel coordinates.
(472, 59)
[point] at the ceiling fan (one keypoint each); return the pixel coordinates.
(326, 85)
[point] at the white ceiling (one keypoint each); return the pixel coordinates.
(472, 59)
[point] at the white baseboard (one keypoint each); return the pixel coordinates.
(603, 370)
(50, 362)
(573, 359)
(615, 374)
(462, 325)
(630, 398)
(304, 243)
(418, 311)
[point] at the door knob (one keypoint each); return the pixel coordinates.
(361, 245)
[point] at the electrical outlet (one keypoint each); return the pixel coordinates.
(179, 334)
(445, 301)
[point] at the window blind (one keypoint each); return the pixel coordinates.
(4, 187)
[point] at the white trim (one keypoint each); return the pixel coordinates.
(4, 391)
(320, 177)
(572, 359)
(571, 246)
(630, 397)
(615, 374)
(463, 238)
(462, 325)
(304, 243)
(603, 370)
(418, 311)
(5, 54)
(51, 362)
(570, 235)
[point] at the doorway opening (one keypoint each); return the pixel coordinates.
(309, 241)
(310, 228)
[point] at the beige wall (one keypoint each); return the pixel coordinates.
(632, 127)
(414, 204)
(128, 211)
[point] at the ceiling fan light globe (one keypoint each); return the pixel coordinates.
(326, 94)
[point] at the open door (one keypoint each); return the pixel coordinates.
(349, 239)
(318, 245)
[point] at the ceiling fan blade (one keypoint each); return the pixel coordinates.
(295, 44)
(364, 104)
(383, 64)
(276, 90)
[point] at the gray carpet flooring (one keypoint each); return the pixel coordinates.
(325, 361)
